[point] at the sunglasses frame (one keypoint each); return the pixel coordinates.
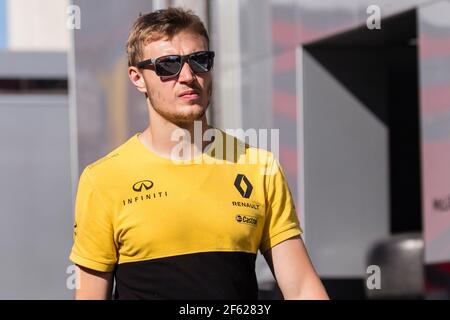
(183, 58)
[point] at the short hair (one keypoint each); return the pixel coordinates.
(159, 24)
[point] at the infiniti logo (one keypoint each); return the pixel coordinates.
(144, 184)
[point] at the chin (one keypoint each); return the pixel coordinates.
(191, 112)
(185, 118)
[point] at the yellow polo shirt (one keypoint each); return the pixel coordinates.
(192, 229)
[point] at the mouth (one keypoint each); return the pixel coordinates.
(189, 94)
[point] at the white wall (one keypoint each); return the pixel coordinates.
(37, 25)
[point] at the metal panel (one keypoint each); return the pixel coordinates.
(35, 197)
(33, 65)
(434, 54)
(345, 172)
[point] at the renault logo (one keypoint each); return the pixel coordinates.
(248, 188)
(144, 184)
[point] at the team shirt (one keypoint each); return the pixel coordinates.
(172, 229)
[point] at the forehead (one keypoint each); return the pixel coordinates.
(184, 42)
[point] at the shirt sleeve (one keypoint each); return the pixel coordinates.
(281, 222)
(93, 236)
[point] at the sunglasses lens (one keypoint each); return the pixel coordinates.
(201, 62)
(168, 66)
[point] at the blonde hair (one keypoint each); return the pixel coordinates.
(158, 24)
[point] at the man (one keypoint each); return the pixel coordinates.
(189, 229)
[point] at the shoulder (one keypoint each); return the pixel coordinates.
(113, 163)
(245, 153)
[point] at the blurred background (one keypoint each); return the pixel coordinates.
(359, 90)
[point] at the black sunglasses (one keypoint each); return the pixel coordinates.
(171, 65)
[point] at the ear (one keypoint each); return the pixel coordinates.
(137, 79)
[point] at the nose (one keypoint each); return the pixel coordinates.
(186, 74)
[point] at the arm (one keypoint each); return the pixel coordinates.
(294, 272)
(93, 285)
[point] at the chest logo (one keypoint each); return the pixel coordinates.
(247, 220)
(244, 186)
(142, 185)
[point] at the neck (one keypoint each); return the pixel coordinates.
(163, 136)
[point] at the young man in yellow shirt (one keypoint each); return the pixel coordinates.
(185, 228)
